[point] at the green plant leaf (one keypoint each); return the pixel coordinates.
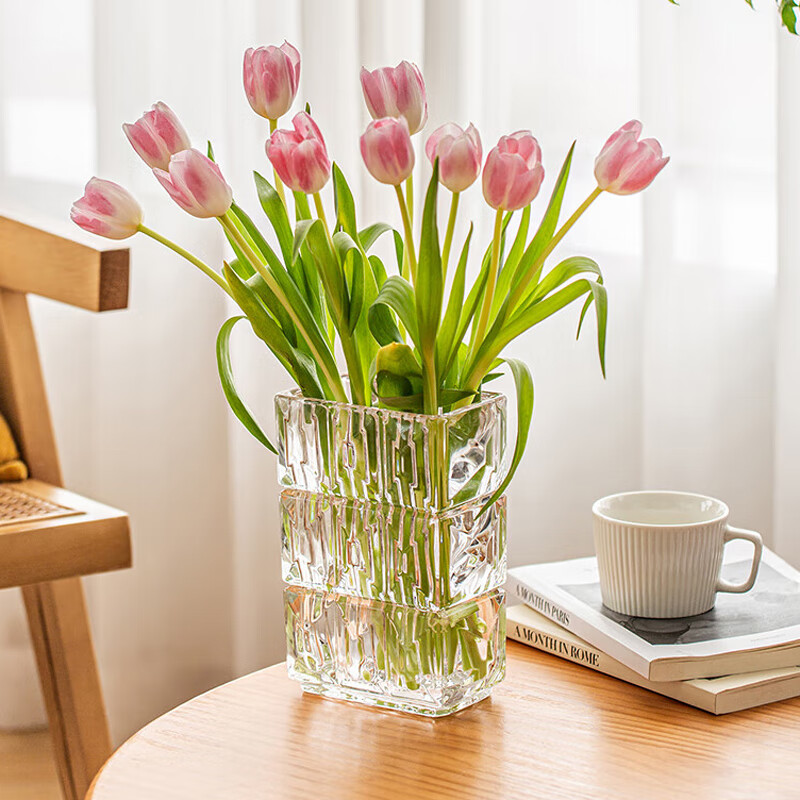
(399, 249)
(531, 315)
(297, 364)
(524, 386)
(381, 323)
(527, 272)
(343, 202)
(563, 272)
(599, 296)
(476, 293)
(429, 286)
(352, 259)
(447, 341)
(236, 403)
(509, 266)
(242, 268)
(330, 272)
(276, 213)
(397, 294)
(789, 15)
(301, 207)
(414, 402)
(523, 319)
(369, 235)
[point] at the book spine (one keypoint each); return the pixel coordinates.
(587, 656)
(541, 640)
(579, 627)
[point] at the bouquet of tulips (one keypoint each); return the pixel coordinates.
(420, 335)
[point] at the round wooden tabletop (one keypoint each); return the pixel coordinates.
(553, 730)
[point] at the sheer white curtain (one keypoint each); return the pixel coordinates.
(703, 274)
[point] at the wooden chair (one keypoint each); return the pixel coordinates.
(49, 537)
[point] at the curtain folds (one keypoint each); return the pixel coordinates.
(703, 273)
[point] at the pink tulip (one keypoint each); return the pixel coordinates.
(387, 150)
(107, 210)
(396, 92)
(157, 135)
(459, 153)
(271, 76)
(513, 172)
(196, 184)
(625, 164)
(299, 156)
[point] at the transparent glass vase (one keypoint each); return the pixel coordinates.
(394, 568)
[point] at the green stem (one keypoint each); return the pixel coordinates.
(354, 370)
(216, 277)
(448, 236)
(333, 377)
(273, 126)
(410, 198)
(488, 297)
(320, 210)
(323, 219)
(559, 235)
(430, 392)
(409, 234)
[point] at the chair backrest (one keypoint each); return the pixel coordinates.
(34, 261)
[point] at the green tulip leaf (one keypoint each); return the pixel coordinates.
(236, 403)
(523, 383)
(275, 210)
(343, 202)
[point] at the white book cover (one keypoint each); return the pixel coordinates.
(757, 630)
(721, 695)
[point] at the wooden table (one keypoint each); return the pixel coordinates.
(552, 730)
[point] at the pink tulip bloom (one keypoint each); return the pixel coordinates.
(271, 77)
(460, 155)
(299, 156)
(196, 184)
(396, 92)
(387, 150)
(625, 164)
(157, 135)
(107, 210)
(513, 172)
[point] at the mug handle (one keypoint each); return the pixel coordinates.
(758, 545)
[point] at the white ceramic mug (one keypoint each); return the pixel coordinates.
(659, 554)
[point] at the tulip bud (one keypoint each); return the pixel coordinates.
(157, 135)
(396, 92)
(387, 150)
(107, 210)
(626, 165)
(299, 156)
(196, 184)
(513, 172)
(271, 77)
(459, 153)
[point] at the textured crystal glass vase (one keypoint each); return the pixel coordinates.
(394, 570)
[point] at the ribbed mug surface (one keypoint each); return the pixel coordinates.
(658, 572)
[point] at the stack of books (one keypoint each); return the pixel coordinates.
(743, 653)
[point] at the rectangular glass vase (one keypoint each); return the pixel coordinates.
(395, 656)
(395, 457)
(394, 563)
(423, 558)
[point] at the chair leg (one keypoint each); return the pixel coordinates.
(62, 639)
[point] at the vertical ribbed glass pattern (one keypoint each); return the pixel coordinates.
(394, 573)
